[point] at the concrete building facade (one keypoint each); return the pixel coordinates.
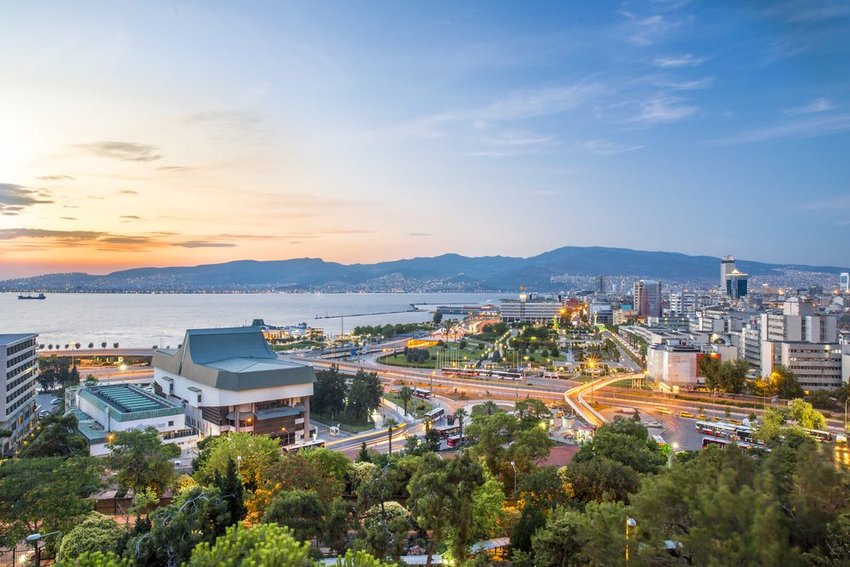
(230, 379)
(18, 373)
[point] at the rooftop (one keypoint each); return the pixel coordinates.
(127, 402)
(15, 337)
(231, 358)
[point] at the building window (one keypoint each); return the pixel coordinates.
(170, 424)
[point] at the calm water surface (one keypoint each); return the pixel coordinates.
(161, 319)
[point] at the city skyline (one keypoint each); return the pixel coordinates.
(190, 133)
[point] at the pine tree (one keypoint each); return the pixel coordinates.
(232, 491)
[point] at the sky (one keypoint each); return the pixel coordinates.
(184, 133)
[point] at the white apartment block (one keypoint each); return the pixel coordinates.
(18, 372)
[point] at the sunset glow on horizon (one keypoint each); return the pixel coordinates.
(185, 133)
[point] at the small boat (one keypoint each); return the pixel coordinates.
(30, 296)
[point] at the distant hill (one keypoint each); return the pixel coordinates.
(449, 272)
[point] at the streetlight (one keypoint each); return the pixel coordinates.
(34, 538)
(630, 523)
(513, 466)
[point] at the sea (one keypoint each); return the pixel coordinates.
(147, 320)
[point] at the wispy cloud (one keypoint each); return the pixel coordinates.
(663, 109)
(829, 204)
(128, 192)
(606, 147)
(808, 127)
(522, 104)
(15, 198)
(648, 30)
(203, 244)
(815, 106)
(55, 177)
(695, 85)
(175, 168)
(130, 217)
(124, 151)
(808, 11)
(677, 61)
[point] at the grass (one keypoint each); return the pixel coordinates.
(479, 409)
(341, 419)
(416, 406)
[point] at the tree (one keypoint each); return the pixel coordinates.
(384, 528)
(299, 510)
(58, 438)
(460, 414)
(54, 371)
(254, 456)
(391, 425)
(198, 515)
(600, 480)
(438, 318)
(718, 508)
(529, 522)
(142, 460)
(95, 533)
(232, 491)
(101, 559)
(560, 542)
(262, 545)
(488, 511)
(541, 487)
(432, 500)
(364, 396)
(330, 392)
(709, 368)
(626, 442)
(44, 494)
(784, 383)
(341, 516)
(805, 415)
(405, 394)
(733, 376)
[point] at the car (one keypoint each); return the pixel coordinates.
(55, 402)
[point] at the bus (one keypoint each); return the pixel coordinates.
(716, 429)
(421, 393)
(453, 440)
(822, 436)
(306, 445)
(435, 414)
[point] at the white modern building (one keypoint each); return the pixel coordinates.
(673, 364)
(18, 372)
(101, 411)
(529, 309)
(816, 366)
(230, 379)
(683, 303)
(844, 282)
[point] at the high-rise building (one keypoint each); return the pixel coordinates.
(601, 287)
(844, 282)
(736, 284)
(727, 265)
(683, 302)
(18, 371)
(647, 298)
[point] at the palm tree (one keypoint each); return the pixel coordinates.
(490, 407)
(405, 394)
(390, 423)
(460, 414)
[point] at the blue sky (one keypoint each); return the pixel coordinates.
(165, 133)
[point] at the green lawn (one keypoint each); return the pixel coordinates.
(416, 406)
(471, 353)
(341, 420)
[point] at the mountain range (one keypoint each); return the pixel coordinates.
(448, 272)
